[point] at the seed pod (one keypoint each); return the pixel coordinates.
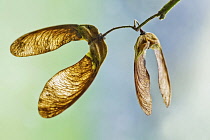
(141, 75)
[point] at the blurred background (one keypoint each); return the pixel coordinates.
(109, 109)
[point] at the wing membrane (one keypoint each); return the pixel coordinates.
(141, 75)
(163, 77)
(45, 40)
(64, 88)
(142, 83)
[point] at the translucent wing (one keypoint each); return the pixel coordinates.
(142, 83)
(141, 75)
(64, 88)
(45, 40)
(163, 77)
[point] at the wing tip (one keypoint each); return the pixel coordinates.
(45, 110)
(45, 113)
(146, 106)
(14, 50)
(148, 112)
(167, 100)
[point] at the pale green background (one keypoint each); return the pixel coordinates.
(109, 110)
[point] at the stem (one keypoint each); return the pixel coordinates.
(147, 20)
(117, 28)
(166, 8)
(161, 14)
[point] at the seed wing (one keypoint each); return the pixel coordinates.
(44, 40)
(163, 77)
(64, 88)
(142, 83)
(141, 75)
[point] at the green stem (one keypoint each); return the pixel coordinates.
(161, 13)
(166, 8)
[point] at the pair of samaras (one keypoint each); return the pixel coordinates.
(141, 75)
(65, 87)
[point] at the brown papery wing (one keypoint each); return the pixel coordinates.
(163, 77)
(45, 40)
(64, 88)
(142, 83)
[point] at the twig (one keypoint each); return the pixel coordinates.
(161, 14)
(166, 8)
(118, 28)
(147, 20)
